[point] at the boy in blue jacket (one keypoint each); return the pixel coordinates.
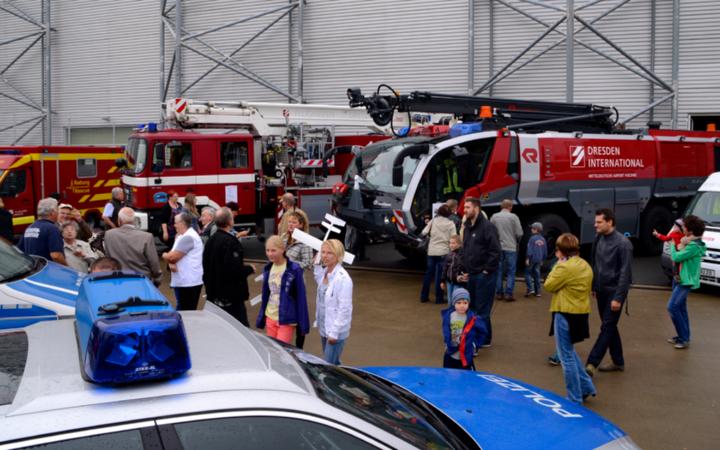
(535, 255)
(461, 330)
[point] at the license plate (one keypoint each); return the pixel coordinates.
(707, 273)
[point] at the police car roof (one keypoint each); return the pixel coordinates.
(227, 359)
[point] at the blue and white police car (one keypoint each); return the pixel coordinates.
(33, 289)
(130, 372)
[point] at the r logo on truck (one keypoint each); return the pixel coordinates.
(577, 156)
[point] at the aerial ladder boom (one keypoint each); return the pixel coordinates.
(266, 119)
(512, 114)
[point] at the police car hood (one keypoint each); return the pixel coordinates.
(499, 412)
(51, 288)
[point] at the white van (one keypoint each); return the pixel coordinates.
(705, 205)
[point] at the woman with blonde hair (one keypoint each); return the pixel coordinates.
(333, 313)
(190, 207)
(570, 282)
(295, 250)
(284, 304)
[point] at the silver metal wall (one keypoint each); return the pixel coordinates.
(106, 54)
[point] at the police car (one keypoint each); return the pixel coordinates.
(129, 372)
(33, 289)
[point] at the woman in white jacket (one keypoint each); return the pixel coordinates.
(440, 229)
(333, 313)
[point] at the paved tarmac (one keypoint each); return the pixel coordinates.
(665, 399)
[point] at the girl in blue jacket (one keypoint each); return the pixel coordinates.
(284, 304)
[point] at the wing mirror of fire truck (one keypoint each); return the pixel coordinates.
(121, 163)
(413, 151)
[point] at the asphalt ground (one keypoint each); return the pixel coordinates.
(665, 398)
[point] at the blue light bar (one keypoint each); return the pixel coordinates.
(462, 129)
(127, 330)
(140, 346)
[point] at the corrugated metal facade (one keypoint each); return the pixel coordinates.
(105, 56)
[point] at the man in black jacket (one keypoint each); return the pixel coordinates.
(481, 257)
(612, 274)
(224, 270)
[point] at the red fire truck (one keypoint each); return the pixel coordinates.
(81, 176)
(558, 162)
(245, 152)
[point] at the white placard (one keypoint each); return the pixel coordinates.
(231, 194)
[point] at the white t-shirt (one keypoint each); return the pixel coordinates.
(189, 268)
(109, 209)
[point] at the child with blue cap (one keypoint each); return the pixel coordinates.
(461, 330)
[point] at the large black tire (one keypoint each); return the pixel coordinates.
(656, 217)
(553, 226)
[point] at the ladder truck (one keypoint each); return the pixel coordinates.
(557, 162)
(250, 153)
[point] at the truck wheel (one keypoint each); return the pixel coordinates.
(553, 227)
(656, 217)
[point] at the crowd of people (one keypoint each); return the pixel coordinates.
(472, 262)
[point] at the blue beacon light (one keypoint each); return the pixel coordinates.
(127, 331)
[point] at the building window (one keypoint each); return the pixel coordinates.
(234, 155)
(86, 168)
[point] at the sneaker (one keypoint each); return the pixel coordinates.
(488, 345)
(530, 293)
(538, 295)
(611, 367)
(424, 300)
(672, 340)
(499, 297)
(681, 345)
(553, 360)
(590, 369)
(509, 298)
(586, 396)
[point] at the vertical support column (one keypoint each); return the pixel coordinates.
(47, 74)
(290, 49)
(569, 52)
(178, 48)
(300, 68)
(471, 47)
(675, 61)
(653, 24)
(161, 92)
(491, 44)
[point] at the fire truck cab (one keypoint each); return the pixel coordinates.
(554, 176)
(80, 175)
(242, 152)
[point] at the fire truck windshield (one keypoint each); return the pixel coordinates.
(136, 155)
(377, 163)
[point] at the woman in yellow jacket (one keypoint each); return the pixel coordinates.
(570, 282)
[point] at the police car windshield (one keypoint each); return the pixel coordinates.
(706, 205)
(371, 401)
(377, 163)
(13, 263)
(136, 154)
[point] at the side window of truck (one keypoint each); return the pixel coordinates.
(178, 155)
(234, 155)
(14, 183)
(86, 168)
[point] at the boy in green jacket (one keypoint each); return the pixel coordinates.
(689, 258)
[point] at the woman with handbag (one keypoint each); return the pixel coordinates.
(438, 232)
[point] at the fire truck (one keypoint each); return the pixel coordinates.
(82, 176)
(557, 162)
(250, 153)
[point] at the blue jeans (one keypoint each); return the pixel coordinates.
(577, 381)
(677, 307)
(433, 271)
(331, 352)
(482, 295)
(450, 288)
(507, 269)
(532, 277)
